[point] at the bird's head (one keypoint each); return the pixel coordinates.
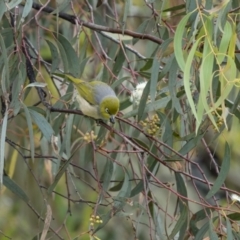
(109, 107)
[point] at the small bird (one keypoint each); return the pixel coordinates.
(96, 99)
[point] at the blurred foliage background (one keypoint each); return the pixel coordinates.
(168, 168)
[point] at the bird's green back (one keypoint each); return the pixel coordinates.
(86, 89)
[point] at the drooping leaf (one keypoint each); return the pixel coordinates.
(180, 223)
(42, 123)
(212, 234)
(30, 130)
(222, 174)
(154, 79)
(27, 8)
(3, 132)
(55, 56)
(178, 47)
(119, 62)
(13, 187)
(229, 230)
(72, 58)
(107, 174)
(196, 217)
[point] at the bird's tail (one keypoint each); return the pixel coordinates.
(69, 78)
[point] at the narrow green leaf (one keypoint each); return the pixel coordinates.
(117, 187)
(200, 234)
(72, 58)
(13, 187)
(83, 48)
(18, 82)
(64, 58)
(191, 7)
(55, 56)
(119, 62)
(5, 71)
(59, 175)
(127, 6)
(192, 143)
(141, 29)
(158, 223)
(172, 85)
(68, 134)
(143, 101)
(187, 77)
(147, 66)
(229, 230)
(167, 136)
(27, 8)
(212, 234)
(206, 75)
(107, 174)
(42, 123)
(181, 221)
(181, 189)
(2, 145)
(222, 17)
(3, 9)
(124, 193)
(226, 78)
(234, 216)
(223, 172)
(196, 217)
(179, 54)
(182, 224)
(15, 103)
(154, 79)
(13, 4)
(226, 37)
(236, 235)
(30, 130)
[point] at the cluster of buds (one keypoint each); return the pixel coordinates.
(88, 137)
(95, 219)
(151, 125)
(220, 115)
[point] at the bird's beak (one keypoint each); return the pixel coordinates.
(112, 119)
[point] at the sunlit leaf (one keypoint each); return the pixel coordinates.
(178, 47)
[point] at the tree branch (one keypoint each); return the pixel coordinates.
(96, 27)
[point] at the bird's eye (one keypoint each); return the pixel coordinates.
(106, 109)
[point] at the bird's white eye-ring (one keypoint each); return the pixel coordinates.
(106, 109)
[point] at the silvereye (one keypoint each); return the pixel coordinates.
(96, 99)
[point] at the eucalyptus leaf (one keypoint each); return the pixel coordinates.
(223, 172)
(3, 130)
(27, 8)
(71, 55)
(15, 188)
(43, 124)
